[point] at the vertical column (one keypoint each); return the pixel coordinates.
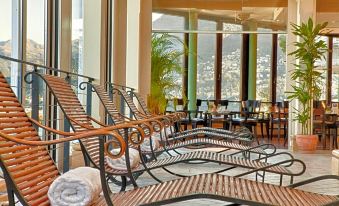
(17, 43)
(145, 48)
(192, 60)
(132, 51)
(298, 11)
(92, 65)
(274, 58)
(119, 38)
(244, 67)
(119, 49)
(65, 35)
(104, 40)
(218, 63)
(65, 55)
(185, 73)
(252, 66)
(329, 70)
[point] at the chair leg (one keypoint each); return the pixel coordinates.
(279, 127)
(267, 124)
(272, 130)
(255, 133)
(262, 130)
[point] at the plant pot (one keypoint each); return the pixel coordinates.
(307, 143)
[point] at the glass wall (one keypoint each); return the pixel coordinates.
(9, 41)
(77, 38)
(35, 50)
(281, 68)
(264, 53)
(322, 67)
(206, 61)
(335, 74)
(35, 45)
(171, 22)
(231, 64)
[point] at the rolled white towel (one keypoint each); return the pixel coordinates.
(146, 144)
(120, 163)
(77, 187)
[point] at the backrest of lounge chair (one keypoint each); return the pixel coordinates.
(137, 114)
(142, 103)
(30, 169)
(109, 105)
(72, 108)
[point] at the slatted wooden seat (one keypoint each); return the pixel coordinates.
(224, 188)
(65, 95)
(112, 110)
(29, 171)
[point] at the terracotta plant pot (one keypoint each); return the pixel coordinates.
(307, 142)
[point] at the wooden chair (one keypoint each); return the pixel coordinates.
(279, 117)
(81, 122)
(249, 116)
(29, 170)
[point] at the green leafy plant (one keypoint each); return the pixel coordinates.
(310, 49)
(166, 67)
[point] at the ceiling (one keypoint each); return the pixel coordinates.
(269, 14)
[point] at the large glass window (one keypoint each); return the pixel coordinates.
(206, 61)
(77, 38)
(281, 68)
(167, 22)
(231, 63)
(335, 74)
(321, 66)
(9, 41)
(35, 50)
(171, 22)
(264, 51)
(35, 47)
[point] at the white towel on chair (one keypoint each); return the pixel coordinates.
(77, 187)
(120, 163)
(146, 145)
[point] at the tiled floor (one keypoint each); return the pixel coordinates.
(317, 164)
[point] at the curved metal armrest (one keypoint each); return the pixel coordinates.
(275, 154)
(314, 179)
(77, 136)
(51, 129)
(291, 161)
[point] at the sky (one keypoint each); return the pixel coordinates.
(35, 20)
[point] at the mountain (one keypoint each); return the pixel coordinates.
(35, 54)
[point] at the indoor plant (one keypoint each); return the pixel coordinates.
(166, 67)
(309, 50)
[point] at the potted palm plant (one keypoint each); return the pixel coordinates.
(309, 50)
(166, 67)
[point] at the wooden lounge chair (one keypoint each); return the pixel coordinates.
(81, 122)
(29, 170)
(177, 141)
(140, 115)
